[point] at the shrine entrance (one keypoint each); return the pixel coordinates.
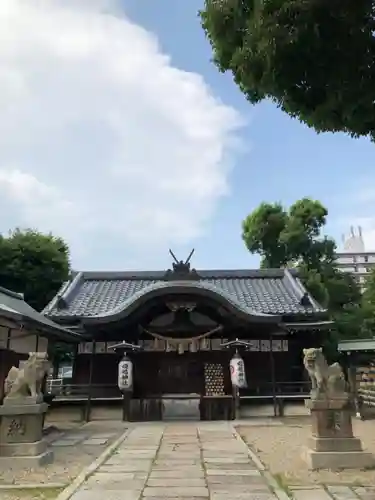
(180, 374)
(181, 380)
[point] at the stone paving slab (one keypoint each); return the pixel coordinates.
(336, 492)
(230, 489)
(109, 495)
(179, 491)
(119, 486)
(242, 496)
(236, 480)
(186, 468)
(311, 494)
(342, 492)
(179, 498)
(365, 493)
(198, 473)
(234, 467)
(108, 477)
(176, 482)
(227, 460)
(235, 472)
(67, 442)
(95, 442)
(105, 435)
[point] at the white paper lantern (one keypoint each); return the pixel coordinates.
(125, 374)
(237, 372)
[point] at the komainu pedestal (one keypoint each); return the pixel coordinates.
(21, 433)
(332, 444)
(22, 416)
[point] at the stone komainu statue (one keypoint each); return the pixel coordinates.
(326, 381)
(27, 381)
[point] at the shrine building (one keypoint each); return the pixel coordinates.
(182, 323)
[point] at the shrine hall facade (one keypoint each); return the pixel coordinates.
(181, 320)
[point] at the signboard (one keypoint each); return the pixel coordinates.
(125, 374)
(237, 372)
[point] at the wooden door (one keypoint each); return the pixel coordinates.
(180, 374)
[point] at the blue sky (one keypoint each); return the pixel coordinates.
(110, 127)
(283, 160)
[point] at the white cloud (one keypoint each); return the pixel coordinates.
(102, 140)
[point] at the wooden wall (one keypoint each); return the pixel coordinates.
(158, 373)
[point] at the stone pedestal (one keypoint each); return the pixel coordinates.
(21, 433)
(332, 444)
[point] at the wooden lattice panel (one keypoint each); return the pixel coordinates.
(214, 379)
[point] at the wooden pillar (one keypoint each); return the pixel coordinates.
(2, 373)
(91, 373)
(74, 364)
(273, 376)
(3, 365)
(9, 336)
(353, 386)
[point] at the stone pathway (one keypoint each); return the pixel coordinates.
(186, 461)
(82, 439)
(190, 461)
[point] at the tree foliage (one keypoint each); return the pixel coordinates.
(314, 58)
(368, 305)
(34, 264)
(294, 238)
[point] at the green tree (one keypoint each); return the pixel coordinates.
(34, 264)
(262, 234)
(368, 305)
(294, 237)
(314, 58)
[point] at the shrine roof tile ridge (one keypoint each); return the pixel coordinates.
(261, 291)
(203, 273)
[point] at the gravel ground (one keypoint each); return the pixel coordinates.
(28, 495)
(280, 449)
(68, 461)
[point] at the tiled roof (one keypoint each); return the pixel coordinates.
(269, 291)
(13, 306)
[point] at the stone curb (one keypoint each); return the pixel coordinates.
(81, 478)
(280, 494)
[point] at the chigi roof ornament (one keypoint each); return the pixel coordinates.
(181, 270)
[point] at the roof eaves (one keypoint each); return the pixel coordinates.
(308, 325)
(10, 293)
(300, 290)
(53, 303)
(52, 329)
(9, 313)
(356, 345)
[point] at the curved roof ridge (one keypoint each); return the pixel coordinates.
(203, 273)
(188, 286)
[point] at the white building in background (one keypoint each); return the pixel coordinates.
(354, 258)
